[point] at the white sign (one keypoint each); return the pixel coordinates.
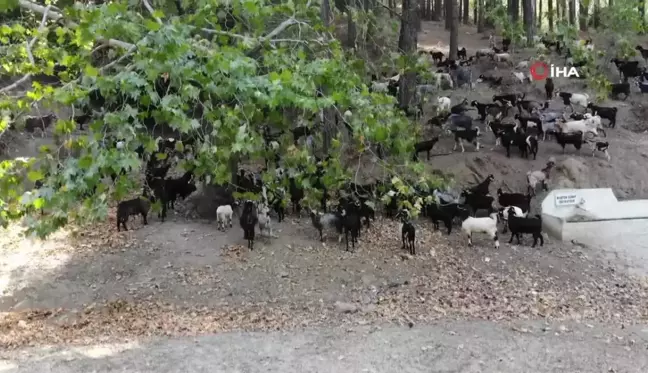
(566, 199)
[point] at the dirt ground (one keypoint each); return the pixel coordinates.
(185, 278)
(467, 347)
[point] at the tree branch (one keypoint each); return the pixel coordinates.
(30, 55)
(150, 9)
(25, 4)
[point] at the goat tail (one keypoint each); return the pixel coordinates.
(538, 217)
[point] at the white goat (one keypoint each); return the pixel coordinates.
(484, 52)
(585, 126)
(522, 65)
(444, 103)
(505, 211)
(535, 177)
(502, 57)
(520, 76)
(379, 87)
(265, 224)
(224, 216)
(581, 99)
(441, 77)
(481, 225)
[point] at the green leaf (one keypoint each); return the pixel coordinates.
(39, 203)
(35, 176)
(152, 25)
(89, 70)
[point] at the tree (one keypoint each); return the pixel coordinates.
(214, 76)
(437, 10)
(583, 13)
(550, 13)
(480, 22)
(407, 43)
(454, 32)
(528, 18)
(572, 12)
(466, 11)
(449, 4)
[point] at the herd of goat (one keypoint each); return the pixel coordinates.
(355, 205)
(523, 128)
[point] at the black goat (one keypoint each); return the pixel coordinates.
(180, 187)
(514, 199)
(487, 109)
(351, 223)
(608, 113)
(136, 206)
(492, 80)
(478, 202)
(506, 43)
(462, 54)
(299, 132)
(627, 69)
(460, 108)
(518, 225)
(437, 56)
(439, 120)
(619, 88)
(82, 119)
(530, 105)
(512, 98)
(470, 135)
(31, 123)
(549, 88)
(296, 195)
(531, 146)
(248, 221)
(644, 52)
(443, 213)
(483, 187)
(408, 234)
(524, 122)
(424, 146)
(573, 138)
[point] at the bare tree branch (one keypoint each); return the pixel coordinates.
(30, 55)
(150, 9)
(57, 16)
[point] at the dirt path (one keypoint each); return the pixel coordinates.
(454, 347)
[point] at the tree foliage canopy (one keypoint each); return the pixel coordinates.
(226, 69)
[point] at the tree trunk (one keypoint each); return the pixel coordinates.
(407, 42)
(329, 123)
(417, 14)
(390, 5)
(572, 12)
(642, 10)
(538, 15)
(480, 16)
(515, 10)
(454, 31)
(436, 16)
(529, 25)
(550, 12)
(583, 11)
(475, 14)
(563, 10)
(596, 16)
(448, 14)
(466, 12)
(352, 32)
(428, 10)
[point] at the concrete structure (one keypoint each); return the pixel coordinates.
(596, 218)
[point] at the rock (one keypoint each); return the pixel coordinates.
(283, 274)
(345, 307)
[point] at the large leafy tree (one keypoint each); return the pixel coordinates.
(212, 73)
